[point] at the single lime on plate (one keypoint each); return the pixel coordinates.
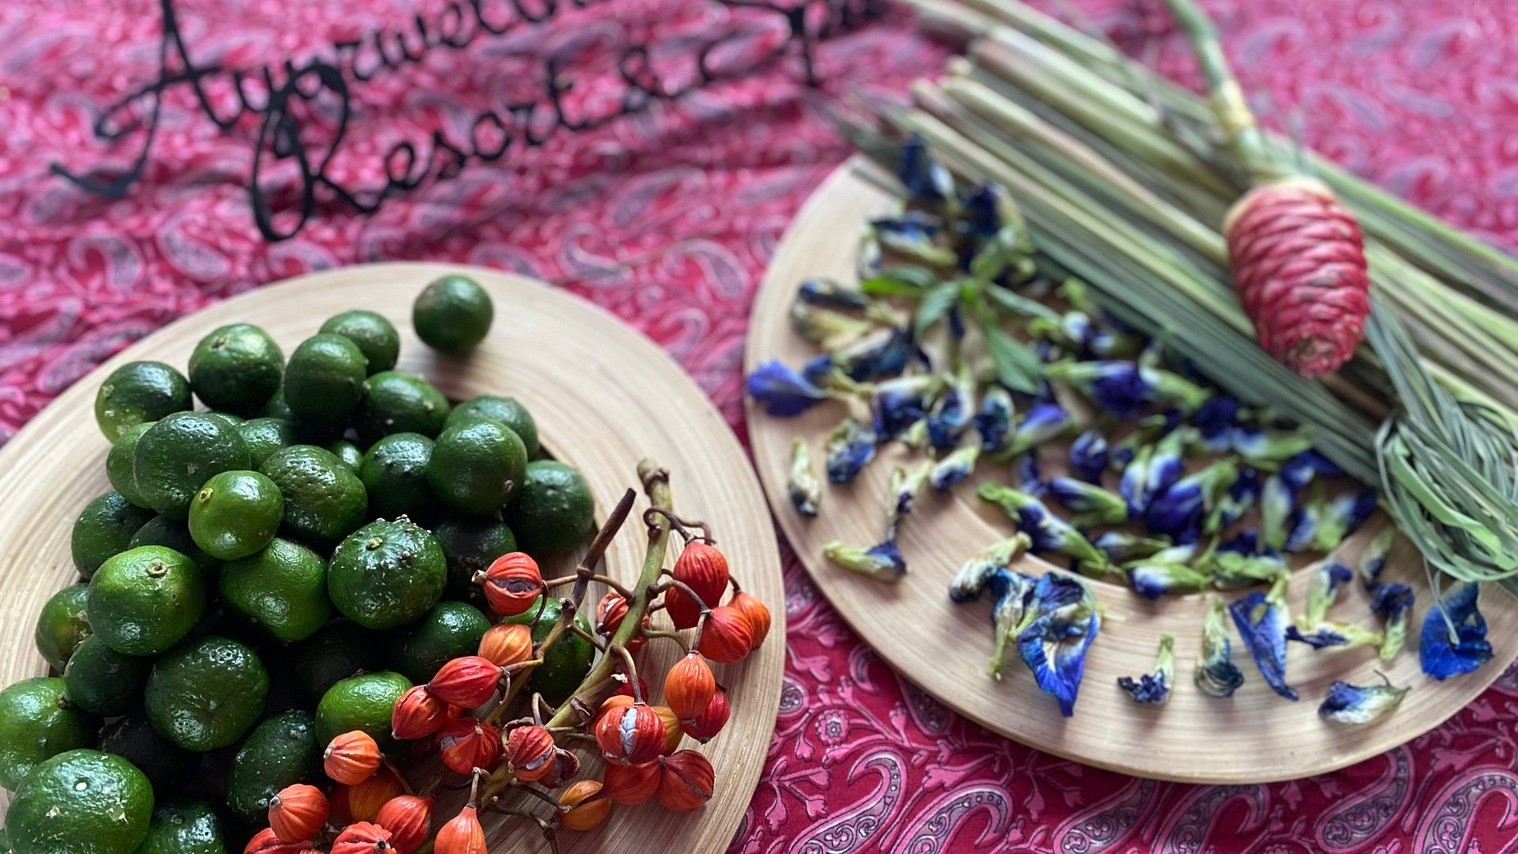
(63, 624)
(137, 392)
(361, 703)
(452, 314)
(38, 722)
(236, 514)
(394, 472)
(387, 574)
(281, 752)
(237, 368)
(477, 466)
(554, 514)
(264, 436)
(507, 410)
(375, 336)
(104, 529)
(324, 499)
(325, 377)
(206, 693)
(396, 402)
(145, 600)
(81, 802)
(282, 588)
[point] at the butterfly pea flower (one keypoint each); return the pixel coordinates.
(1216, 420)
(982, 570)
(1323, 589)
(824, 326)
(898, 403)
(1154, 687)
(877, 356)
(952, 412)
(827, 293)
(1350, 704)
(1153, 471)
(783, 392)
(1025, 472)
(1180, 510)
(1088, 456)
(994, 419)
(1048, 532)
(1304, 526)
(1060, 621)
(1393, 602)
(1453, 640)
(912, 235)
(1123, 546)
(1215, 674)
(1167, 572)
(905, 486)
(1341, 516)
(952, 470)
(923, 177)
(1261, 619)
(1231, 569)
(1277, 507)
(1147, 431)
(1012, 591)
(916, 435)
(1091, 504)
(1239, 499)
(1117, 387)
(801, 485)
(1303, 468)
(1331, 635)
(1373, 559)
(882, 562)
(849, 447)
(1043, 422)
(1268, 448)
(1245, 542)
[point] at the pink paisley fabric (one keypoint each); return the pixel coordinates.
(667, 219)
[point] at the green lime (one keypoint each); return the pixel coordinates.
(340, 650)
(104, 529)
(324, 499)
(37, 722)
(360, 703)
(399, 403)
(133, 739)
(471, 544)
(104, 682)
(452, 314)
(236, 514)
(325, 378)
(283, 588)
(264, 436)
(176, 456)
(184, 827)
(449, 630)
(237, 368)
(507, 410)
(81, 802)
(145, 600)
(348, 453)
(63, 624)
(281, 752)
(394, 472)
(375, 336)
(564, 665)
(477, 466)
(207, 693)
(277, 408)
(173, 534)
(119, 463)
(137, 392)
(554, 513)
(387, 574)
(227, 419)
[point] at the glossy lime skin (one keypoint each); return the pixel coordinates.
(145, 600)
(282, 751)
(507, 410)
(324, 499)
(396, 402)
(283, 588)
(478, 466)
(104, 682)
(555, 513)
(387, 574)
(63, 624)
(237, 368)
(36, 723)
(325, 377)
(347, 453)
(394, 472)
(121, 461)
(360, 703)
(184, 827)
(375, 336)
(206, 693)
(81, 802)
(104, 529)
(264, 436)
(448, 631)
(176, 456)
(236, 514)
(138, 392)
(452, 314)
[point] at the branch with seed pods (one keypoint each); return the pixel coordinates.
(512, 750)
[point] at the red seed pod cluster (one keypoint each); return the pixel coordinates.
(705, 726)
(408, 818)
(1299, 268)
(468, 681)
(703, 569)
(726, 637)
(531, 752)
(630, 735)
(463, 834)
(297, 813)
(689, 686)
(686, 780)
(467, 744)
(362, 838)
(417, 714)
(511, 584)
(351, 757)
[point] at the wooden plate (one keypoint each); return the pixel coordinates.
(1254, 737)
(604, 398)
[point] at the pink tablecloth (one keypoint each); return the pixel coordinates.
(667, 219)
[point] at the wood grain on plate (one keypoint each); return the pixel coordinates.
(1253, 737)
(604, 397)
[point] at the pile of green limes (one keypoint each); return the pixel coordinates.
(268, 572)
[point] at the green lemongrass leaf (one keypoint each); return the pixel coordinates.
(906, 280)
(1017, 366)
(1019, 304)
(935, 304)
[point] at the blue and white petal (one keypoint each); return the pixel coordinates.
(882, 562)
(1349, 704)
(1154, 687)
(977, 572)
(1215, 674)
(1453, 640)
(1060, 623)
(1323, 588)
(1262, 620)
(783, 392)
(953, 469)
(1088, 456)
(801, 484)
(850, 446)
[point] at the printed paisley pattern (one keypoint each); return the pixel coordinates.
(667, 220)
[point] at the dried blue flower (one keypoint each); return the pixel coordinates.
(916, 435)
(979, 571)
(1239, 499)
(1453, 640)
(827, 293)
(1049, 532)
(1122, 546)
(1323, 589)
(1167, 572)
(1261, 620)
(1306, 466)
(1268, 448)
(1341, 516)
(912, 235)
(924, 178)
(876, 357)
(952, 412)
(1348, 704)
(1091, 504)
(801, 485)
(1180, 510)
(781, 391)
(849, 448)
(1153, 471)
(994, 420)
(882, 562)
(1088, 456)
(1043, 422)
(1232, 569)
(1216, 420)
(1013, 590)
(1330, 635)
(1117, 387)
(1149, 430)
(1304, 526)
(824, 325)
(1215, 674)
(1154, 687)
(905, 487)
(1060, 622)
(900, 402)
(952, 470)
(1394, 604)
(1373, 559)
(1025, 473)
(1277, 507)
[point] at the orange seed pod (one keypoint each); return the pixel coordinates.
(351, 757)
